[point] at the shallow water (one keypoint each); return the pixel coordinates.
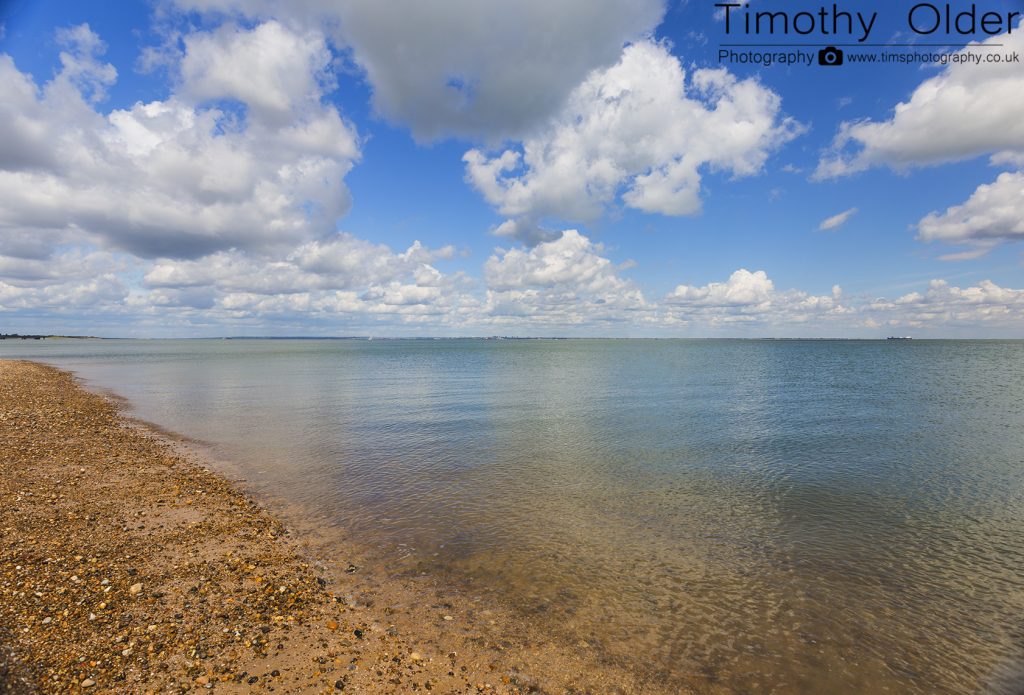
(771, 516)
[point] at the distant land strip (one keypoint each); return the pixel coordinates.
(18, 336)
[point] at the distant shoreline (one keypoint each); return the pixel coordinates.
(18, 336)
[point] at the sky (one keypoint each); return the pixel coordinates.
(632, 168)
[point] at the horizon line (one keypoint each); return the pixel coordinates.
(41, 336)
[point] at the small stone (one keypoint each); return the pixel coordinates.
(202, 680)
(416, 656)
(88, 683)
(135, 589)
(448, 617)
(332, 624)
(47, 620)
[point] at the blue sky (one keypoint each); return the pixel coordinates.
(210, 167)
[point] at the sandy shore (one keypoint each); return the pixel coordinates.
(127, 566)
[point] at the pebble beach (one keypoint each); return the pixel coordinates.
(127, 565)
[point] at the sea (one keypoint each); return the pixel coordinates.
(770, 516)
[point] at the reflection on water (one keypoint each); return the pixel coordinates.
(798, 516)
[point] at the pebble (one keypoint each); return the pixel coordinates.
(135, 589)
(88, 683)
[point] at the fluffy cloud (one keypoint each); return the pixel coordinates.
(749, 304)
(945, 306)
(61, 298)
(837, 221)
(976, 108)
(994, 213)
(73, 265)
(743, 289)
(65, 282)
(566, 281)
(751, 297)
(80, 65)
(463, 67)
(341, 279)
(175, 177)
(338, 276)
(342, 262)
(274, 71)
(638, 128)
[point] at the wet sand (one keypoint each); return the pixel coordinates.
(127, 565)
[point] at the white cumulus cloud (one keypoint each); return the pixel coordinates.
(965, 111)
(174, 177)
(945, 306)
(565, 281)
(993, 214)
(274, 71)
(641, 131)
(751, 297)
(337, 278)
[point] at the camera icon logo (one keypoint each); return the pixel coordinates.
(830, 55)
